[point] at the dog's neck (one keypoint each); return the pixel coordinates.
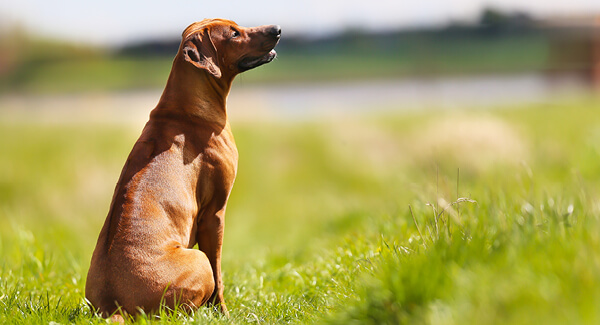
(195, 93)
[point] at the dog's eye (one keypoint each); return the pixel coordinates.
(235, 34)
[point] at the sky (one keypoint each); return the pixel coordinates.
(117, 22)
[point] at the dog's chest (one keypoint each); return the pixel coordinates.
(215, 166)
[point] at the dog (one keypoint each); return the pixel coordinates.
(174, 187)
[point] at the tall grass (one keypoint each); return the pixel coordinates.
(434, 218)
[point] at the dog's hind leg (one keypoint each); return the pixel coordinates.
(192, 282)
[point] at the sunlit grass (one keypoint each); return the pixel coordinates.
(341, 220)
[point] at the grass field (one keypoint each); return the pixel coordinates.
(437, 217)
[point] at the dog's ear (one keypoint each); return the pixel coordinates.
(200, 51)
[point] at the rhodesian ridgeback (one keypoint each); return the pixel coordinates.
(175, 184)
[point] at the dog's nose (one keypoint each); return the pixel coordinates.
(275, 30)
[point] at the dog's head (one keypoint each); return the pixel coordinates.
(223, 48)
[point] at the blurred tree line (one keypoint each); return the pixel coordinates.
(498, 42)
(492, 23)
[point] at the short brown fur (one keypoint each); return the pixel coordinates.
(174, 187)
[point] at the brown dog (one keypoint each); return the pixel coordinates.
(174, 187)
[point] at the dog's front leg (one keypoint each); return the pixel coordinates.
(210, 240)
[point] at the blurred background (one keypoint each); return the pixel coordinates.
(77, 82)
(370, 107)
(338, 56)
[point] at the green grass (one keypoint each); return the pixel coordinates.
(96, 73)
(347, 220)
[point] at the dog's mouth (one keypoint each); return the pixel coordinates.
(253, 62)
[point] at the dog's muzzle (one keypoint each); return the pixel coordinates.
(273, 33)
(253, 62)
